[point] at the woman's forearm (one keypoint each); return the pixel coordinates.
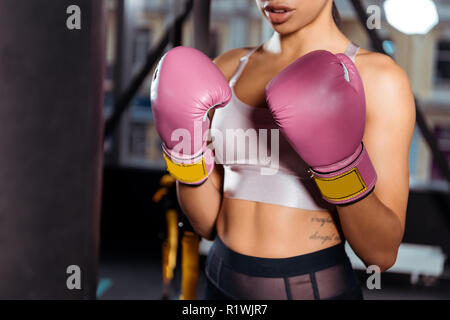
(201, 206)
(373, 230)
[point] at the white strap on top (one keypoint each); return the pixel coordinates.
(243, 62)
(352, 51)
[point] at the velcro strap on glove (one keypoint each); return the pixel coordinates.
(349, 184)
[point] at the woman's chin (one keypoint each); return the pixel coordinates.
(284, 29)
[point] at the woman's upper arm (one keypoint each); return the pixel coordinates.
(389, 129)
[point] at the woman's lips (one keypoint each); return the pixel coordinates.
(278, 14)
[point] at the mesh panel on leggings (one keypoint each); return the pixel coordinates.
(246, 287)
(332, 282)
(301, 287)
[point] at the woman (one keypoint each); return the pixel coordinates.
(267, 245)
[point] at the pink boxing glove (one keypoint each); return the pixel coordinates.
(319, 104)
(185, 86)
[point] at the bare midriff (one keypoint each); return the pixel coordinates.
(272, 231)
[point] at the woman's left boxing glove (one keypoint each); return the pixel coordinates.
(319, 104)
(185, 86)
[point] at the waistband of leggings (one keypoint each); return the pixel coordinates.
(279, 267)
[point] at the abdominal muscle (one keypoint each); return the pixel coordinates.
(272, 231)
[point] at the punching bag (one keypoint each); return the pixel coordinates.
(51, 101)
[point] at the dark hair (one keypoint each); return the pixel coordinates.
(336, 15)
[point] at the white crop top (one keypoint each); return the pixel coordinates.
(256, 168)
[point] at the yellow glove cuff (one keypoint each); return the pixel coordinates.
(342, 187)
(188, 173)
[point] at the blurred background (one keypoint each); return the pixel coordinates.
(139, 232)
(134, 163)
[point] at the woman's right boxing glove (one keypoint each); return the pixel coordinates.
(185, 86)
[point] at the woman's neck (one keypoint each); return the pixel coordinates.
(322, 33)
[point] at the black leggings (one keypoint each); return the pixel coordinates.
(325, 274)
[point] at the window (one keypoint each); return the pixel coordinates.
(443, 61)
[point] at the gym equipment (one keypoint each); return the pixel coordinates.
(51, 97)
(165, 197)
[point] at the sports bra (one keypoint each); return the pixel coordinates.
(256, 167)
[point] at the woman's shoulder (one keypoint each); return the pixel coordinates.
(228, 61)
(378, 69)
(386, 84)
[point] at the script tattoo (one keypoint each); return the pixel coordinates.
(325, 238)
(322, 220)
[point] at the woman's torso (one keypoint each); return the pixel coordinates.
(264, 229)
